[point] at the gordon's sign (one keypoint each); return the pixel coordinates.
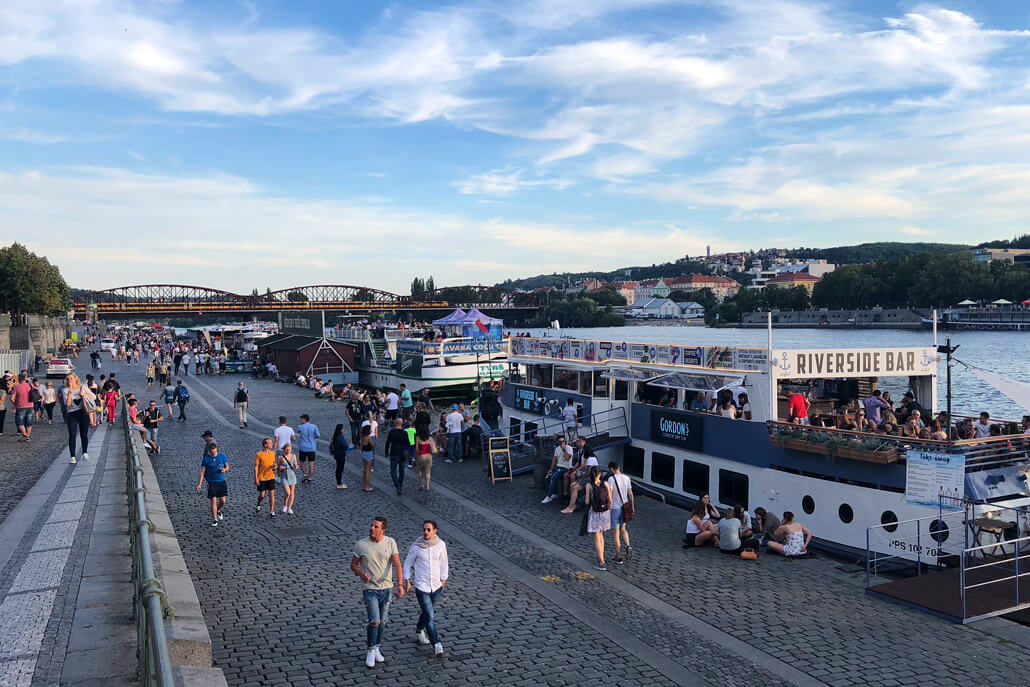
(854, 362)
(677, 429)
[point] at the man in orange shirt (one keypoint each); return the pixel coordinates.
(264, 475)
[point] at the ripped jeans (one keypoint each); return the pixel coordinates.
(377, 605)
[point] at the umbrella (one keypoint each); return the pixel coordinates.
(966, 302)
(1001, 301)
(1026, 302)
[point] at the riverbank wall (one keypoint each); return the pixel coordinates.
(876, 318)
(34, 333)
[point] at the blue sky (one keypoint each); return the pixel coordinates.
(252, 144)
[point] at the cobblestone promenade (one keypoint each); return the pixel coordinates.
(523, 606)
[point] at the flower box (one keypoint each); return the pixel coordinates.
(889, 455)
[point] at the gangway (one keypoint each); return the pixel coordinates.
(953, 571)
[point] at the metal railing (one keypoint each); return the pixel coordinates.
(920, 541)
(149, 602)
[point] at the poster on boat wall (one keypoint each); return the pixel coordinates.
(620, 351)
(576, 349)
(750, 359)
(931, 475)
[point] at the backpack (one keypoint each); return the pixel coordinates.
(182, 394)
(241, 395)
(600, 499)
(34, 395)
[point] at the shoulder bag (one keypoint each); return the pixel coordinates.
(627, 506)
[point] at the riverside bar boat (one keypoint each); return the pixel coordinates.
(632, 402)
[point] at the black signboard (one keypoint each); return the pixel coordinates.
(500, 459)
(677, 429)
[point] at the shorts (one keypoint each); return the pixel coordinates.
(138, 428)
(690, 538)
(266, 485)
(152, 434)
(306, 456)
(23, 417)
(368, 456)
(616, 517)
(217, 490)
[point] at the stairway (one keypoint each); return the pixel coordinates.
(379, 347)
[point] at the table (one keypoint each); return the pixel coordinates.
(994, 526)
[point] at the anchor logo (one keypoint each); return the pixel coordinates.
(784, 364)
(928, 359)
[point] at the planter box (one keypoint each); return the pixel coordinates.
(887, 456)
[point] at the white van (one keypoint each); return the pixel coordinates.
(107, 344)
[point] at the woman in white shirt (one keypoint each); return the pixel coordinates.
(426, 565)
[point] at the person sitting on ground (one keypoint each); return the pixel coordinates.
(700, 531)
(765, 525)
(792, 538)
(745, 521)
(729, 533)
(578, 478)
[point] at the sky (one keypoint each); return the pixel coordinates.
(255, 144)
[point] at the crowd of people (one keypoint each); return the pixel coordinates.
(735, 531)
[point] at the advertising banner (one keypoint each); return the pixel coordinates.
(677, 429)
(854, 362)
(303, 324)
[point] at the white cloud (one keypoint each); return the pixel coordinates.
(914, 231)
(503, 182)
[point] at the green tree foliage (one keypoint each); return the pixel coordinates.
(873, 252)
(703, 297)
(607, 297)
(1016, 242)
(296, 297)
(578, 312)
(29, 284)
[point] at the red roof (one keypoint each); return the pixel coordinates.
(792, 277)
(701, 280)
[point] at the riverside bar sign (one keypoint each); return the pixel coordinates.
(854, 362)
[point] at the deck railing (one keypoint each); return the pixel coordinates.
(149, 602)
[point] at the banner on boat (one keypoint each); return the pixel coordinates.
(717, 357)
(677, 429)
(929, 476)
(854, 362)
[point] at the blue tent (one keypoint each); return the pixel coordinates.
(456, 317)
(473, 318)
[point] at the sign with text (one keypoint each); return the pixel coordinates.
(677, 429)
(500, 459)
(720, 357)
(854, 362)
(303, 324)
(929, 476)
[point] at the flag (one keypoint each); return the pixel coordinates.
(482, 327)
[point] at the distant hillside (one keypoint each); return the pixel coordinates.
(1016, 242)
(873, 252)
(841, 255)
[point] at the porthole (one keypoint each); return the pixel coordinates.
(808, 504)
(845, 513)
(889, 516)
(939, 531)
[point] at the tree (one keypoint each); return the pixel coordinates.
(29, 284)
(296, 297)
(607, 296)
(418, 286)
(430, 284)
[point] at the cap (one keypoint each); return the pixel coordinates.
(206, 434)
(908, 394)
(454, 406)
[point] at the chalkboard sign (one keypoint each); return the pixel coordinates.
(500, 459)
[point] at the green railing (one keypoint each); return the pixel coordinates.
(150, 606)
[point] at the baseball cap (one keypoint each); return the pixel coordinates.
(206, 434)
(454, 406)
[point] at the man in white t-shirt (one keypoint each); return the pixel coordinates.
(454, 421)
(392, 404)
(560, 466)
(983, 426)
(571, 418)
(284, 434)
(622, 493)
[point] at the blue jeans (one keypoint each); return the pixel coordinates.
(23, 417)
(455, 450)
(555, 487)
(427, 620)
(397, 466)
(377, 605)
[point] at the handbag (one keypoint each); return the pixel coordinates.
(89, 402)
(627, 506)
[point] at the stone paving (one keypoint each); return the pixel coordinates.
(283, 607)
(22, 463)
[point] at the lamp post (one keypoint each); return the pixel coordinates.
(948, 350)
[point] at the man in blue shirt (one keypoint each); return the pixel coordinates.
(307, 444)
(406, 403)
(213, 469)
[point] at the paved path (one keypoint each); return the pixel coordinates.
(523, 606)
(22, 464)
(65, 589)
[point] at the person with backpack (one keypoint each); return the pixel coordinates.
(182, 397)
(599, 501)
(241, 401)
(623, 507)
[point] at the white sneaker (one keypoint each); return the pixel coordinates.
(284, 509)
(258, 508)
(438, 649)
(370, 658)
(423, 638)
(72, 461)
(221, 517)
(290, 511)
(341, 486)
(378, 655)
(547, 499)
(85, 456)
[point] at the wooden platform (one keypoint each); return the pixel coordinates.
(940, 591)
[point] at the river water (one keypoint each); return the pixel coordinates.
(1006, 353)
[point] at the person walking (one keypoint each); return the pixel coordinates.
(3, 406)
(307, 446)
(284, 434)
(264, 475)
(406, 402)
(110, 403)
(454, 445)
(93, 408)
(374, 562)
(599, 502)
(425, 447)
(168, 396)
(426, 564)
(339, 447)
(185, 365)
(241, 401)
(49, 401)
(77, 399)
(182, 397)
(21, 398)
(286, 475)
(151, 419)
(398, 448)
(623, 506)
(213, 469)
(354, 417)
(368, 456)
(151, 373)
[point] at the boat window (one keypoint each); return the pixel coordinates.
(733, 488)
(889, 520)
(939, 531)
(600, 386)
(515, 429)
(621, 390)
(585, 381)
(656, 395)
(698, 382)
(539, 375)
(663, 469)
(633, 461)
(808, 504)
(530, 428)
(629, 374)
(846, 513)
(695, 478)
(567, 379)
